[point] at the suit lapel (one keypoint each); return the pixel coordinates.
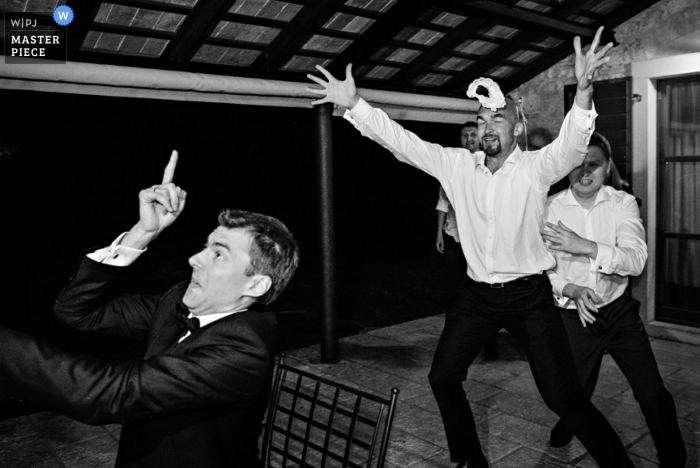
(168, 332)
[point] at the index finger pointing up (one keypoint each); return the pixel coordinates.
(170, 168)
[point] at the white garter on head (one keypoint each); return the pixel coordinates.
(494, 100)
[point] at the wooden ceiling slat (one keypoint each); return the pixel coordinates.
(380, 33)
(469, 29)
(277, 24)
(492, 59)
(355, 11)
(527, 19)
(537, 66)
(564, 50)
(235, 44)
(444, 47)
(146, 5)
(80, 25)
(500, 41)
(515, 43)
(131, 31)
(286, 43)
(254, 20)
(195, 29)
(481, 15)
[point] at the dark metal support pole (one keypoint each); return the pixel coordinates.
(324, 154)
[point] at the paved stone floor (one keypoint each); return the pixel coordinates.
(512, 420)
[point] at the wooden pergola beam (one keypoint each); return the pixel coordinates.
(379, 33)
(442, 48)
(195, 29)
(293, 37)
(528, 20)
(562, 51)
(84, 12)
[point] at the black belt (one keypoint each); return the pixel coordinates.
(523, 281)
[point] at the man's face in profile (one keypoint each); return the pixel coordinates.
(469, 139)
(219, 279)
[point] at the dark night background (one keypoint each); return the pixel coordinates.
(84, 159)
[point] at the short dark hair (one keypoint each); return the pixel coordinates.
(273, 250)
(470, 123)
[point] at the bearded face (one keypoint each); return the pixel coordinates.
(498, 129)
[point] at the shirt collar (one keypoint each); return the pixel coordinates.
(513, 158)
(602, 196)
(205, 320)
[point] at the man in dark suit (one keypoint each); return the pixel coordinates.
(197, 396)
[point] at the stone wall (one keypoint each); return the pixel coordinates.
(656, 32)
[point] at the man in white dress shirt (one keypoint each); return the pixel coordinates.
(498, 196)
(597, 237)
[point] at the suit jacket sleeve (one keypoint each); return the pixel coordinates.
(92, 301)
(224, 364)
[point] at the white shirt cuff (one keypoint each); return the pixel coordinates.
(603, 260)
(558, 285)
(589, 115)
(115, 254)
(358, 113)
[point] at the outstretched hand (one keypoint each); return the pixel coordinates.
(560, 237)
(341, 93)
(586, 66)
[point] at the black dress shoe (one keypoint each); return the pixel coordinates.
(561, 435)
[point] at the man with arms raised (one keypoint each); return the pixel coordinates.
(197, 396)
(498, 197)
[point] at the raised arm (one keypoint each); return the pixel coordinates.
(159, 206)
(376, 125)
(90, 301)
(569, 149)
(586, 66)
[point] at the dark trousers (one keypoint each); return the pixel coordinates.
(455, 269)
(527, 311)
(619, 330)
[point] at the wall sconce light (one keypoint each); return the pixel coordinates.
(637, 97)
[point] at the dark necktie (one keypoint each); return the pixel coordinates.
(190, 324)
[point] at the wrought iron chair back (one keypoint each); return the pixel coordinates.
(313, 421)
